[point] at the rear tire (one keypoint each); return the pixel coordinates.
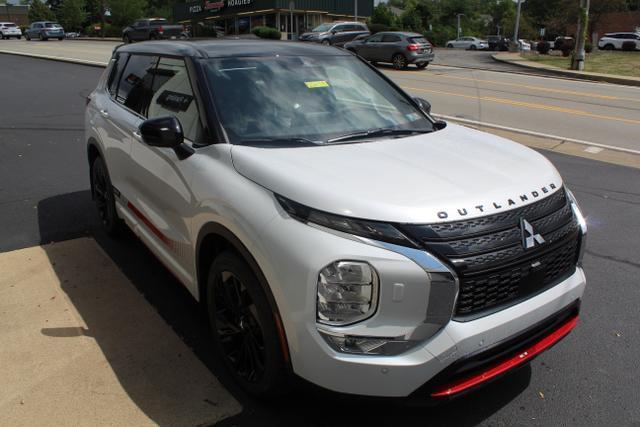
(326, 42)
(27, 37)
(422, 65)
(103, 197)
(243, 327)
(450, 46)
(609, 47)
(473, 47)
(19, 37)
(399, 61)
(60, 38)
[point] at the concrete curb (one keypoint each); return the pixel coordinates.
(57, 58)
(607, 78)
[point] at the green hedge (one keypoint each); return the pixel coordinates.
(267, 33)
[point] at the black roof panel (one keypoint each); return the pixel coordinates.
(214, 48)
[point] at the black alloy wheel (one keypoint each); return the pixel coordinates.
(103, 197)
(243, 327)
(399, 61)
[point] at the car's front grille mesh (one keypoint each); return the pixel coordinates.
(489, 257)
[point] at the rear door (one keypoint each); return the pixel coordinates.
(390, 45)
(162, 198)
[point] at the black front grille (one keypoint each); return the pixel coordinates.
(494, 268)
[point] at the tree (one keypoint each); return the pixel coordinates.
(40, 12)
(383, 15)
(71, 14)
(124, 12)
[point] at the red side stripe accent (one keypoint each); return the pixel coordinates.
(150, 225)
(508, 364)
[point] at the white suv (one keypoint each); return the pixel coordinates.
(9, 29)
(614, 41)
(330, 226)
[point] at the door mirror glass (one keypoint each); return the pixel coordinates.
(423, 104)
(162, 132)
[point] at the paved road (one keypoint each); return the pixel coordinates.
(591, 378)
(594, 112)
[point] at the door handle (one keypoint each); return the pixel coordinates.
(137, 135)
(104, 113)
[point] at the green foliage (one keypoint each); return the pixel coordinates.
(109, 30)
(267, 33)
(124, 12)
(40, 12)
(382, 15)
(71, 14)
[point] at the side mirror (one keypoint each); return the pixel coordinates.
(423, 104)
(333, 32)
(162, 132)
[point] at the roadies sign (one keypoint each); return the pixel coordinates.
(217, 6)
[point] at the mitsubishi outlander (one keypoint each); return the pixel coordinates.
(331, 227)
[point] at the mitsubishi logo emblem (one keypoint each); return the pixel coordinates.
(529, 237)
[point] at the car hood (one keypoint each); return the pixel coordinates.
(450, 174)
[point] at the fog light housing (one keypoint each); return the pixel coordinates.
(370, 346)
(347, 293)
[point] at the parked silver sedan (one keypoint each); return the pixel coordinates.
(471, 43)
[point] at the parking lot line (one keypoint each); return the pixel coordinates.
(529, 105)
(531, 87)
(81, 346)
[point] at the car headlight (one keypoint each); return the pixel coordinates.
(582, 222)
(347, 293)
(364, 228)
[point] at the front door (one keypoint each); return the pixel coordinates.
(162, 197)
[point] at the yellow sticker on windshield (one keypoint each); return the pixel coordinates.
(318, 83)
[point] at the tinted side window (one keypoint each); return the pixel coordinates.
(134, 90)
(376, 38)
(390, 38)
(116, 72)
(173, 96)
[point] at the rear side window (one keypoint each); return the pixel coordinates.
(135, 88)
(116, 71)
(390, 38)
(173, 96)
(418, 40)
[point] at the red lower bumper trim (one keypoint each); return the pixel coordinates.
(502, 367)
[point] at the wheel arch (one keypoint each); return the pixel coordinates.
(214, 238)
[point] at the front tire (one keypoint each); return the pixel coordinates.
(609, 47)
(126, 39)
(243, 327)
(103, 197)
(326, 42)
(450, 46)
(399, 61)
(28, 37)
(422, 65)
(473, 47)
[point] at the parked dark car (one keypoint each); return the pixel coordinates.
(44, 30)
(335, 33)
(152, 29)
(498, 43)
(398, 48)
(563, 43)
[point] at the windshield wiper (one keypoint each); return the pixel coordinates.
(279, 142)
(377, 133)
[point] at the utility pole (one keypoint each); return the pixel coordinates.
(577, 61)
(517, 28)
(458, 16)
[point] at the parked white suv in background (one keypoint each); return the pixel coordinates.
(614, 41)
(9, 29)
(330, 226)
(472, 43)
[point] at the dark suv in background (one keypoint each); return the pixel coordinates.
(151, 29)
(398, 48)
(335, 33)
(498, 43)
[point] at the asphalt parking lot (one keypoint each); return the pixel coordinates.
(590, 378)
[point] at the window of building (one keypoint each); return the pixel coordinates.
(270, 20)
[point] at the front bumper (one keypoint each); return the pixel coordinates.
(300, 250)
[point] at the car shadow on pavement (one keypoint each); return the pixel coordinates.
(73, 215)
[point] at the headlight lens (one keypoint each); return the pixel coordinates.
(347, 293)
(369, 229)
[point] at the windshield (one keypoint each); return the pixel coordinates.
(322, 28)
(314, 98)
(8, 25)
(51, 25)
(158, 22)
